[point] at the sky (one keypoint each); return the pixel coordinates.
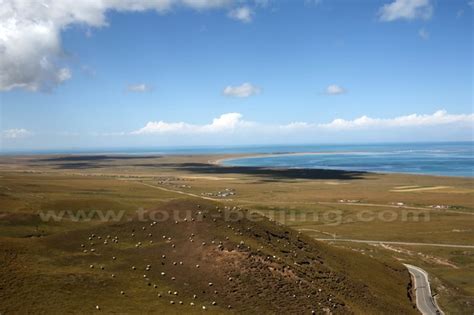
(117, 73)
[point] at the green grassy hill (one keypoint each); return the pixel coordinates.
(200, 262)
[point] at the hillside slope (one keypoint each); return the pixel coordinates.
(207, 260)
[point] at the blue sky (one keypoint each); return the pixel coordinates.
(278, 72)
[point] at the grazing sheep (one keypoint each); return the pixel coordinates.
(91, 266)
(203, 307)
(214, 303)
(97, 307)
(122, 292)
(181, 302)
(134, 268)
(163, 273)
(171, 302)
(192, 304)
(113, 276)
(114, 258)
(197, 266)
(210, 284)
(159, 295)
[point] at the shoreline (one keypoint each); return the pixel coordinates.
(219, 162)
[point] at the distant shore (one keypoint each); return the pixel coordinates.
(267, 155)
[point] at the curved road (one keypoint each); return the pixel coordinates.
(424, 301)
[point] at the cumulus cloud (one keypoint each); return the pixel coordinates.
(243, 14)
(407, 10)
(244, 90)
(440, 117)
(335, 89)
(225, 122)
(15, 133)
(139, 88)
(233, 122)
(31, 55)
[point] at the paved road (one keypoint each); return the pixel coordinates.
(424, 301)
(394, 243)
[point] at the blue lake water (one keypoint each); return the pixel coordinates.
(446, 159)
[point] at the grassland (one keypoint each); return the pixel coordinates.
(45, 260)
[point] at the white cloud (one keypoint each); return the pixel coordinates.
(15, 133)
(335, 89)
(244, 90)
(440, 117)
(31, 56)
(225, 122)
(406, 9)
(243, 14)
(139, 88)
(205, 4)
(471, 3)
(233, 122)
(424, 34)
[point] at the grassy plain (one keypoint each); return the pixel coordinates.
(428, 218)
